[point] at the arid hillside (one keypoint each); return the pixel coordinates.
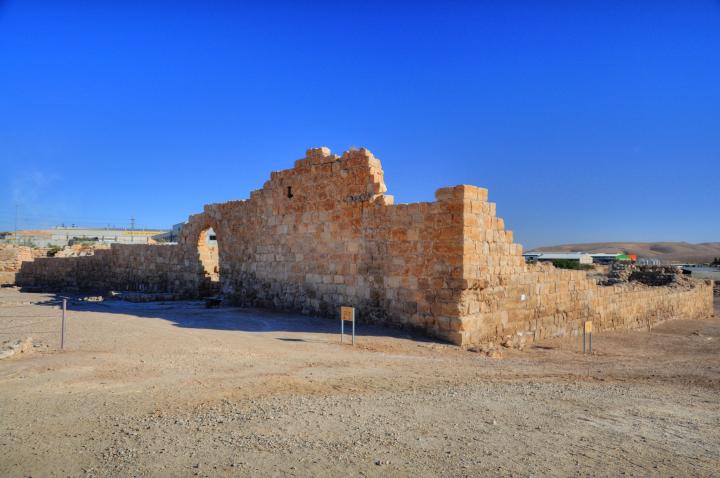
(665, 251)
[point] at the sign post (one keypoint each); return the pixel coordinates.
(347, 313)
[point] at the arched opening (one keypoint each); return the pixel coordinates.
(208, 251)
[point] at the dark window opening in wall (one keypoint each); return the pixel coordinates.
(290, 194)
(212, 237)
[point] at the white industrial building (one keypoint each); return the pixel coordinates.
(581, 257)
(63, 236)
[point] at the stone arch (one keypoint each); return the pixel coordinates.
(205, 252)
(209, 254)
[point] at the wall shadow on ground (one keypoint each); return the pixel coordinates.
(194, 314)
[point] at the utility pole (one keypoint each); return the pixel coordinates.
(132, 229)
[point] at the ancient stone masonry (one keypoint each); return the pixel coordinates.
(325, 234)
(11, 258)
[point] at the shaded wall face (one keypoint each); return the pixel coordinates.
(149, 268)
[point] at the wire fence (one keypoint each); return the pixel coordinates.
(20, 323)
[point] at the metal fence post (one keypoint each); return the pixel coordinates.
(62, 326)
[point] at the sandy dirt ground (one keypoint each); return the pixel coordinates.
(175, 389)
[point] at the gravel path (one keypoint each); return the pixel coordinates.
(178, 390)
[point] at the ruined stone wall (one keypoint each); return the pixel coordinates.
(506, 299)
(137, 267)
(12, 257)
(413, 263)
(324, 234)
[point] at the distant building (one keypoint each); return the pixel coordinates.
(603, 258)
(173, 235)
(626, 258)
(581, 257)
(64, 236)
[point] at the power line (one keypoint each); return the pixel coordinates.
(45, 216)
(38, 221)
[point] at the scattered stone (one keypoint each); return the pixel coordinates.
(15, 347)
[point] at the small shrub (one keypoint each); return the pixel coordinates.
(53, 250)
(569, 264)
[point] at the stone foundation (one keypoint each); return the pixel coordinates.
(324, 234)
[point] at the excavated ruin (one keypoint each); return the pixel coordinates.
(325, 234)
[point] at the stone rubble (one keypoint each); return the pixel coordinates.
(16, 347)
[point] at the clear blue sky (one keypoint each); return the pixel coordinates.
(588, 121)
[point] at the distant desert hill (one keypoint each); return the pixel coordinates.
(665, 251)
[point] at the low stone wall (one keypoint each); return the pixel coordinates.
(503, 298)
(12, 257)
(139, 267)
(549, 303)
(325, 234)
